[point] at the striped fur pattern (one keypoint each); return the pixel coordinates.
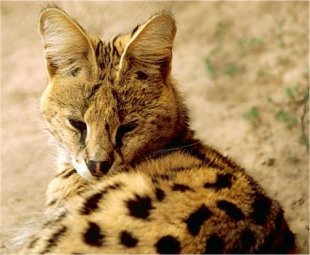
(132, 177)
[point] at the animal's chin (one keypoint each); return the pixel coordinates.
(82, 169)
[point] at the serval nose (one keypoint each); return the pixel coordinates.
(99, 168)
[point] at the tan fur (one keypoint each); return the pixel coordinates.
(70, 96)
(165, 192)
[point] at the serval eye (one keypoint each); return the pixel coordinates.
(79, 125)
(122, 130)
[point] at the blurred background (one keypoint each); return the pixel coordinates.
(242, 67)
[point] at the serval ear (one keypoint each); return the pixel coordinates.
(67, 47)
(150, 47)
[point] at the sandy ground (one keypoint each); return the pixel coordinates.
(243, 68)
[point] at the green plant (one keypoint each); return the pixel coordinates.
(254, 43)
(221, 29)
(297, 100)
(288, 118)
(253, 116)
(209, 66)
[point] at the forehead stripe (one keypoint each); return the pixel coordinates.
(98, 48)
(94, 90)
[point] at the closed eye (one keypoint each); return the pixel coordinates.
(122, 130)
(79, 125)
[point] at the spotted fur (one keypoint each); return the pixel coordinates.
(132, 178)
(140, 212)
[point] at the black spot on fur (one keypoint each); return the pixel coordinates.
(281, 240)
(248, 240)
(196, 219)
(230, 209)
(222, 181)
(266, 247)
(68, 174)
(261, 208)
(160, 194)
(92, 202)
(279, 220)
(93, 235)
(278, 243)
(168, 245)
(128, 240)
(181, 187)
(140, 207)
(53, 240)
(288, 242)
(141, 75)
(214, 245)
